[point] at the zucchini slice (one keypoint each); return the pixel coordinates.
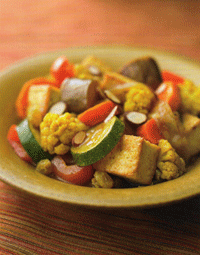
(100, 140)
(30, 142)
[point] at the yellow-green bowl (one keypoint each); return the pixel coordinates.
(22, 176)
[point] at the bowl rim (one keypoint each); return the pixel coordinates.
(176, 190)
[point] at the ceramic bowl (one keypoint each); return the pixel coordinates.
(22, 176)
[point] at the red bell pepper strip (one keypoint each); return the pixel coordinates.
(62, 69)
(150, 131)
(14, 141)
(12, 134)
(74, 174)
(170, 93)
(168, 76)
(97, 113)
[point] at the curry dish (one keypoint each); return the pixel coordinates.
(85, 124)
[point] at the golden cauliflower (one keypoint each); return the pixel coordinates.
(139, 99)
(190, 95)
(170, 165)
(57, 132)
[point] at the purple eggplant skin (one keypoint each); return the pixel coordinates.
(144, 70)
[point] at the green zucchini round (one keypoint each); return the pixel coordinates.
(100, 140)
(30, 143)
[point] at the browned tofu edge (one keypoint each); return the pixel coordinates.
(133, 158)
(147, 163)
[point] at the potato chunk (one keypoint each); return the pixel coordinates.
(132, 158)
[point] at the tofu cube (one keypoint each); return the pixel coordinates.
(133, 158)
(111, 79)
(42, 97)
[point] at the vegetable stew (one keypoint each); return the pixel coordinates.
(86, 124)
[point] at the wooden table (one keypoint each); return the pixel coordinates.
(29, 225)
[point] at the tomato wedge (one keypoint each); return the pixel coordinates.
(72, 173)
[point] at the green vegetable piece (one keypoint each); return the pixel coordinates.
(100, 140)
(30, 143)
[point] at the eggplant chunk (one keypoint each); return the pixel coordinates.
(144, 70)
(79, 94)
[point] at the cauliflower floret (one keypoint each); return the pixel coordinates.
(190, 95)
(170, 165)
(102, 180)
(57, 132)
(139, 99)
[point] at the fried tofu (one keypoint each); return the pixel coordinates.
(42, 97)
(133, 158)
(112, 79)
(118, 84)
